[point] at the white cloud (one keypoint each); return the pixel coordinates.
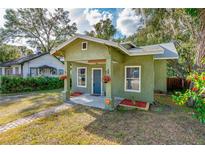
(86, 18)
(94, 16)
(128, 22)
(78, 16)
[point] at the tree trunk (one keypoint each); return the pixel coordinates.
(190, 102)
(182, 83)
(201, 41)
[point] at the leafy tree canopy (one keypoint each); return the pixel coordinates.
(170, 25)
(103, 29)
(10, 52)
(40, 27)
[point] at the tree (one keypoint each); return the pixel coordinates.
(199, 15)
(10, 52)
(40, 27)
(103, 29)
(166, 25)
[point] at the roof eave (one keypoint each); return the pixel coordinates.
(58, 49)
(144, 54)
(165, 58)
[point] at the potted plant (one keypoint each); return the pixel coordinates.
(62, 77)
(106, 79)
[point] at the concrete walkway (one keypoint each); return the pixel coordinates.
(88, 100)
(33, 117)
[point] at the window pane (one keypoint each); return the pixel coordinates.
(81, 77)
(61, 71)
(132, 72)
(84, 45)
(82, 71)
(132, 84)
(34, 71)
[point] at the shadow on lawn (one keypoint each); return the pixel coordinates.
(28, 98)
(141, 127)
(40, 103)
(20, 100)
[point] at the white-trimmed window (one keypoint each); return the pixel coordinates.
(17, 70)
(84, 45)
(81, 76)
(133, 78)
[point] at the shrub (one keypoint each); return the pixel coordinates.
(14, 84)
(195, 94)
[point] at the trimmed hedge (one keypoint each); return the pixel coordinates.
(14, 84)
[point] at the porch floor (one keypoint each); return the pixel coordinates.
(89, 100)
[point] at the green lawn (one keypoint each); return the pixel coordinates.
(34, 102)
(165, 123)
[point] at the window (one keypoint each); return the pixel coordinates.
(33, 71)
(16, 70)
(84, 45)
(61, 71)
(132, 78)
(53, 71)
(81, 76)
(8, 71)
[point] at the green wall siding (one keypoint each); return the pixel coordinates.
(152, 72)
(160, 70)
(94, 51)
(147, 78)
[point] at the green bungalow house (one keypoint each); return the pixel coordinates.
(135, 72)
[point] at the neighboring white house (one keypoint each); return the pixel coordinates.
(40, 64)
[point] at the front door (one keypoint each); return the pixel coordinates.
(97, 73)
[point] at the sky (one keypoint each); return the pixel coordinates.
(125, 20)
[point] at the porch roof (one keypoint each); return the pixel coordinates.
(161, 51)
(46, 66)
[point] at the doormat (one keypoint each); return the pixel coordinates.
(74, 94)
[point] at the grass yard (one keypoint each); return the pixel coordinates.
(24, 106)
(165, 123)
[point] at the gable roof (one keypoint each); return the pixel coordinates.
(22, 59)
(160, 50)
(170, 52)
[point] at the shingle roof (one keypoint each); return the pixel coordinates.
(161, 51)
(22, 59)
(170, 52)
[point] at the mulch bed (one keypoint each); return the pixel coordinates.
(135, 104)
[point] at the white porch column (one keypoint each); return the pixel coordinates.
(109, 100)
(66, 92)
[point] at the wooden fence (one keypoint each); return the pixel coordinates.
(177, 84)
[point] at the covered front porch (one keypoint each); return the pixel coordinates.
(87, 77)
(43, 70)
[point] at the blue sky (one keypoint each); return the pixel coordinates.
(114, 12)
(125, 20)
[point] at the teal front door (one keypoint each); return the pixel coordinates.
(97, 73)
